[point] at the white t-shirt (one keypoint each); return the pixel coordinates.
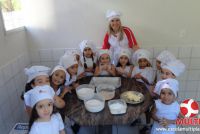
(54, 126)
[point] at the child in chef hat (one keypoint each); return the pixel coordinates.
(143, 72)
(40, 99)
(172, 69)
(70, 63)
(124, 68)
(88, 57)
(39, 76)
(104, 67)
(166, 109)
(163, 58)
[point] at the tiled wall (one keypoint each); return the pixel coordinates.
(190, 56)
(12, 81)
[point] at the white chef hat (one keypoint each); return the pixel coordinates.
(176, 67)
(87, 43)
(58, 67)
(35, 71)
(141, 53)
(103, 51)
(37, 94)
(167, 83)
(111, 14)
(165, 57)
(68, 60)
(124, 52)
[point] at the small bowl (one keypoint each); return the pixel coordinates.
(94, 104)
(85, 91)
(105, 90)
(117, 106)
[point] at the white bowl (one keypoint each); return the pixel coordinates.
(105, 90)
(94, 104)
(85, 91)
(117, 106)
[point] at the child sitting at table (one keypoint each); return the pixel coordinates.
(163, 58)
(166, 109)
(104, 67)
(88, 57)
(143, 72)
(38, 76)
(43, 119)
(124, 68)
(70, 63)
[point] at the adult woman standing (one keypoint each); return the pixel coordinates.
(118, 36)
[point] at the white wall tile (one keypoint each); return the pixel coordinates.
(184, 52)
(195, 63)
(192, 86)
(48, 64)
(186, 62)
(46, 55)
(191, 95)
(183, 76)
(196, 52)
(15, 66)
(157, 51)
(174, 50)
(194, 75)
(57, 53)
(35, 56)
(7, 71)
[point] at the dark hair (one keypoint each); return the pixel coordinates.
(85, 65)
(119, 64)
(28, 87)
(34, 116)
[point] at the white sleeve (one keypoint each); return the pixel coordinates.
(61, 124)
(148, 73)
(34, 130)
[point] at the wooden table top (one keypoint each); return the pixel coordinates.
(75, 108)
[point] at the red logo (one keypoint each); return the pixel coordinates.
(189, 108)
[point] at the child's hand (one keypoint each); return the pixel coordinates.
(75, 85)
(120, 71)
(138, 76)
(164, 122)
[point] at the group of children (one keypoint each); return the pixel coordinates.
(45, 90)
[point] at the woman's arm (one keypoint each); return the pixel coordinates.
(153, 114)
(97, 71)
(62, 131)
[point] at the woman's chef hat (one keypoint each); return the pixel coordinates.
(35, 71)
(58, 67)
(124, 52)
(111, 14)
(68, 60)
(165, 57)
(167, 83)
(87, 43)
(141, 53)
(37, 94)
(176, 67)
(103, 51)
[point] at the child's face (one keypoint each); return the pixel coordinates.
(143, 63)
(58, 77)
(41, 80)
(165, 74)
(72, 70)
(115, 24)
(158, 64)
(123, 60)
(87, 52)
(167, 96)
(104, 59)
(44, 109)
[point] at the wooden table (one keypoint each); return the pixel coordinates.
(75, 108)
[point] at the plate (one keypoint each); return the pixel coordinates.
(132, 97)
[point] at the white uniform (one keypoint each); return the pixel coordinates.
(147, 73)
(51, 127)
(170, 112)
(126, 69)
(116, 45)
(68, 80)
(89, 63)
(158, 75)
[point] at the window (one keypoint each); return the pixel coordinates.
(12, 14)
